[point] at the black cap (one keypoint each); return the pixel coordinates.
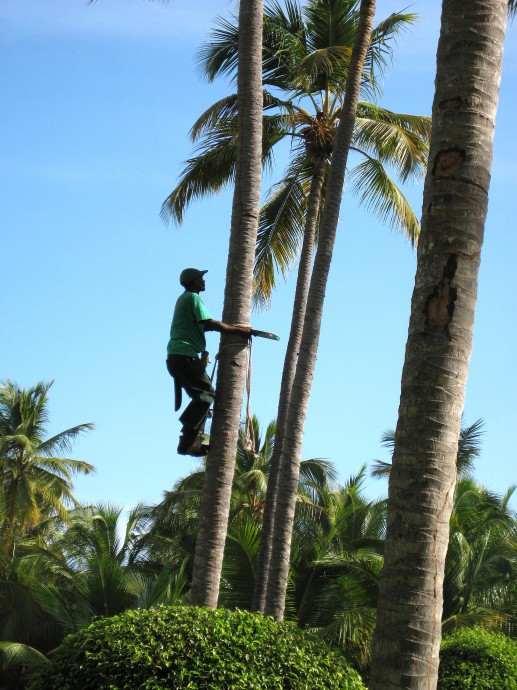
(190, 274)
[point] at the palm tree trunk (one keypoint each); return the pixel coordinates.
(291, 356)
(292, 443)
(423, 475)
(237, 309)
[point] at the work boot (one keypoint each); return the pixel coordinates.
(192, 443)
(200, 446)
(187, 438)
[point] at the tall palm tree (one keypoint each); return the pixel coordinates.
(237, 309)
(291, 447)
(34, 481)
(422, 479)
(312, 77)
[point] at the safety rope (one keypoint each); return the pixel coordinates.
(249, 430)
(216, 359)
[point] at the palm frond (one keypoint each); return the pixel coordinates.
(380, 51)
(168, 587)
(225, 111)
(378, 192)
(284, 43)
(213, 166)
(63, 441)
(220, 55)
(326, 61)
(16, 655)
(398, 139)
(239, 562)
(66, 467)
(318, 471)
(205, 173)
(469, 446)
(331, 23)
(380, 469)
(281, 228)
(475, 617)
(512, 7)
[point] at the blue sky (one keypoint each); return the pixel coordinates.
(97, 103)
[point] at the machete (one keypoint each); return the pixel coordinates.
(264, 334)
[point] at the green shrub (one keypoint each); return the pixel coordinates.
(476, 659)
(189, 648)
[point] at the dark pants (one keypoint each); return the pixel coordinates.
(189, 374)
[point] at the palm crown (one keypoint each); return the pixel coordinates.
(34, 481)
(305, 62)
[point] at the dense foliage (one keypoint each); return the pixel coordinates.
(185, 647)
(68, 565)
(476, 659)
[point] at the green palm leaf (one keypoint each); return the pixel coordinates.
(220, 55)
(284, 43)
(238, 575)
(327, 61)
(380, 51)
(469, 449)
(15, 654)
(378, 193)
(398, 139)
(205, 173)
(225, 111)
(214, 165)
(469, 446)
(63, 441)
(281, 228)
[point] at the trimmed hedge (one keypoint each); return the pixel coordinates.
(476, 659)
(189, 648)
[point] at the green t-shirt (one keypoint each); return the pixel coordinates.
(187, 334)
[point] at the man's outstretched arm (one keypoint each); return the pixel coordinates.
(221, 327)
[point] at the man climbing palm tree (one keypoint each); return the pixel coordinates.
(187, 358)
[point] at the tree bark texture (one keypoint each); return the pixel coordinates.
(292, 443)
(237, 309)
(291, 356)
(423, 475)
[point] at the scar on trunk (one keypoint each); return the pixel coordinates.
(439, 308)
(448, 161)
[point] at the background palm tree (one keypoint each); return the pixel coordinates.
(106, 573)
(291, 445)
(422, 480)
(34, 481)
